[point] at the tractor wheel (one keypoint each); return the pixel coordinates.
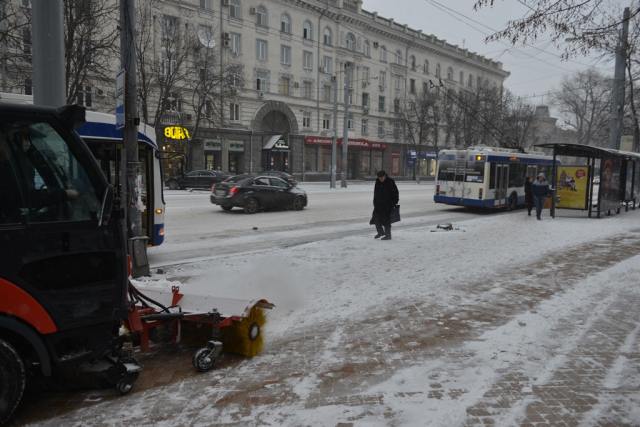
(12, 380)
(251, 206)
(298, 203)
(201, 360)
(173, 185)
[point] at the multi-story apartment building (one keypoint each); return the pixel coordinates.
(291, 53)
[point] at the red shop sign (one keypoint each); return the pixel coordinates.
(362, 143)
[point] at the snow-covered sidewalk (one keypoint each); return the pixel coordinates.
(509, 321)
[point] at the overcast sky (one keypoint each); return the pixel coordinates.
(535, 70)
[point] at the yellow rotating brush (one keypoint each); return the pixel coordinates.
(245, 337)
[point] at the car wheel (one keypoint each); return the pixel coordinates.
(298, 203)
(251, 206)
(226, 207)
(12, 380)
(174, 185)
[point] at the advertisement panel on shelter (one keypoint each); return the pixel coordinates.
(609, 193)
(395, 163)
(573, 187)
(628, 180)
(636, 185)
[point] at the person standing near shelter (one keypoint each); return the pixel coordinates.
(528, 195)
(385, 198)
(540, 190)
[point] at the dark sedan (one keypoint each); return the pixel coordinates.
(255, 193)
(282, 175)
(196, 179)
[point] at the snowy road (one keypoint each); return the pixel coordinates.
(197, 230)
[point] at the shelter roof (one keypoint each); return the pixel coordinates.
(579, 150)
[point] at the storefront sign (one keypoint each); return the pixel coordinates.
(281, 146)
(213, 145)
(361, 143)
(236, 145)
(176, 132)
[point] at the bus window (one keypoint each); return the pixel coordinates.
(492, 176)
(447, 170)
(516, 175)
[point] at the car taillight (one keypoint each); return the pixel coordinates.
(480, 194)
(213, 188)
(437, 190)
(233, 191)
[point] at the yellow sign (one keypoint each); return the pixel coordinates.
(573, 183)
(176, 132)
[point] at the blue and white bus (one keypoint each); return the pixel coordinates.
(487, 177)
(105, 142)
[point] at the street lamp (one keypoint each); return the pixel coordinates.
(345, 134)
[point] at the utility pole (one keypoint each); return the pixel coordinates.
(345, 131)
(618, 100)
(130, 165)
(334, 141)
(49, 80)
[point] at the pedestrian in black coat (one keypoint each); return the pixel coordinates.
(528, 195)
(385, 198)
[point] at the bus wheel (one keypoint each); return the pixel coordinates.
(513, 203)
(12, 380)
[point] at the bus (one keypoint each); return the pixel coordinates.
(486, 177)
(105, 142)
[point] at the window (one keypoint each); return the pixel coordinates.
(235, 79)
(425, 87)
(450, 73)
(261, 50)
(28, 87)
(26, 40)
(412, 86)
(437, 70)
(396, 105)
(383, 53)
(350, 42)
(234, 9)
(366, 48)
(381, 128)
(470, 80)
(285, 24)
(398, 82)
(306, 90)
(461, 77)
(307, 30)
(285, 82)
(167, 27)
(396, 129)
(327, 36)
(262, 80)
(83, 96)
(208, 109)
(377, 160)
(366, 74)
(399, 57)
(364, 128)
(365, 162)
(234, 44)
(261, 16)
(173, 102)
(285, 55)
(412, 62)
(26, 3)
(381, 101)
(306, 120)
(426, 67)
(205, 4)
(382, 79)
(365, 100)
(351, 96)
(234, 110)
(326, 122)
(327, 93)
(307, 60)
(327, 63)
(168, 64)
(205, 35)
(351, 124)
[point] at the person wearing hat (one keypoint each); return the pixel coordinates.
(540, 190)
(385, 197)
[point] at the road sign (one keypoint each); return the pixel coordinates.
(120, 100)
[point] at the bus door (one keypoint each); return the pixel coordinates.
(459, 176)
(502, 184)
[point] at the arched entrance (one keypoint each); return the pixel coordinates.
(276, 123)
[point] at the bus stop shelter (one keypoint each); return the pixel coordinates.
(619, 178)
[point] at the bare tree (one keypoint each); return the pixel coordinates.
(517, 122)
(584, 100)
(588, 24)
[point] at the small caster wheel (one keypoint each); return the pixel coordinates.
(202, 360)
(123, 388)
